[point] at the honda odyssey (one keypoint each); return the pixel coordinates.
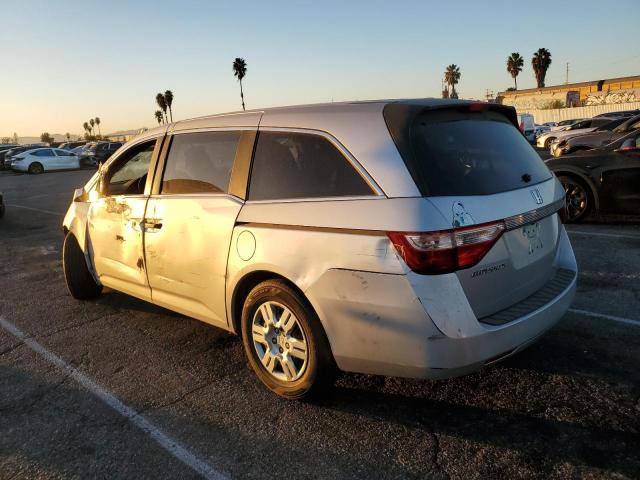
(406, 238)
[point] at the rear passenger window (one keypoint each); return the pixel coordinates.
(299, 165)
(200, 162)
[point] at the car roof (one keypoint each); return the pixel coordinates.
(293, 114)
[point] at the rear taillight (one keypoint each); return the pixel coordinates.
(446, 251)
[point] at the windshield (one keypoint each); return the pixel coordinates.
(459, 152)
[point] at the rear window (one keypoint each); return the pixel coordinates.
(611, 125)
(460, 152)
(300, 165)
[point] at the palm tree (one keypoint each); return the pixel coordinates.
(68, 136)
(92, 122)
(86, 127)
(159, 116)
(168, 99)
(162, 104)
(540, 63)
(97, 120)
(240, 70)
(514, 66)
(452, 76)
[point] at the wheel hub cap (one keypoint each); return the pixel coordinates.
(279, 341)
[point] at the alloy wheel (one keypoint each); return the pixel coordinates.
(576, 199)
(279, 341)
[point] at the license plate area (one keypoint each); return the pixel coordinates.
(532, 242)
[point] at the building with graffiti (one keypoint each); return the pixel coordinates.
(597, 92)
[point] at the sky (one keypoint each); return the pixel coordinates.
(65, 61)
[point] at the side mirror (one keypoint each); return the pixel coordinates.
(101, 186)
(79, 195)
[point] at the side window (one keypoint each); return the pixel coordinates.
(301, 165)
(62, 153)
(44, 153)
(200, 162)
(129, 174)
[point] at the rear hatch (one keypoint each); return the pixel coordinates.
(472, 163)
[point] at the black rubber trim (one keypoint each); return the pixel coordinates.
(239, 181)
(554, 287)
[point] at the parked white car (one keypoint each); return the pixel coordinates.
(41, 160)
(541, 129)
(564, 124)
(545, 140)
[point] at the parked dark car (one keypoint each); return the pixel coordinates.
(72, 145)
(98, 152)
(621, 113)
(1, 205)
(600, 137)
(3, 151)
(7, 156)
(605, 179)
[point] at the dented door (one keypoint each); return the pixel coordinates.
(116, 235)
(187, 241)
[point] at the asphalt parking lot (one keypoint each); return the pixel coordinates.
(118, 388)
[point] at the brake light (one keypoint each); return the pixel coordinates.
(446, 251)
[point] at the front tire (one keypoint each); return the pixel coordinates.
(285, 343)
(80, 282)
(35, 168)
(548, 142)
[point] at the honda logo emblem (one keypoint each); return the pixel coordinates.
(536, 196)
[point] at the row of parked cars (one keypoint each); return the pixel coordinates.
(597, 160)
(40, 157)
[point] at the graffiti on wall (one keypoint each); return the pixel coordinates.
(540, 100)
(616, 96)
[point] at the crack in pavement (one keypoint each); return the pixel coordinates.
(435, 455)
(36, 397)
(11, 348)
(72, 326)
(175, 400)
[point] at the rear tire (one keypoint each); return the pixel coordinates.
(275, 347)
(578, 199)
(548, 142)
(80, 282)
(36, 168)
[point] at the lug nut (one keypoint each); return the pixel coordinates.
(286, 345)
(273, 340)
(281, 350)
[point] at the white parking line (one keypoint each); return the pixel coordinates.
(164, 440)
(626, 321)
(36, 209)
(605, 235)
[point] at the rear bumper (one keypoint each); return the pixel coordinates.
(384, 323)
(457, 356)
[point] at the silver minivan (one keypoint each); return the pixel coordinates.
(405, 238)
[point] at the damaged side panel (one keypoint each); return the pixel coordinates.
(115, 229)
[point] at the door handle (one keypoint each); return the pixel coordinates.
(151, 224)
